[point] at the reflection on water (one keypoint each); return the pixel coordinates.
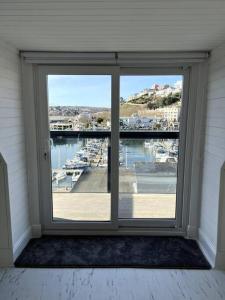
(63, 149)
(134, 151)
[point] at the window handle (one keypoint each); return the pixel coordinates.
(46, 148)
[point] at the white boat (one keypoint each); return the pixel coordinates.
(161, 154)
(81, 152)
(76, 175)
(54, 173)
(173, 153)
(60, 176)
(157, 146)
(75, 164)
(167, 159)
(148, 144)
(103, 165)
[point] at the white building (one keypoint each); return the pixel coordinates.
(165, 92)
(137, 121)
(171, 112)
(85, 115)
(61, 126)
(155, 86)
(178, 84)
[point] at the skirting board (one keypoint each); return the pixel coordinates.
(220, 260)
(36, 230)
(207, 248)
(6, 258)
(21, 243)
(192, 232)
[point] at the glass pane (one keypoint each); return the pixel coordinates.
(148, 167)
(79, 102)
(148, 176)
(80, 165)
(150, 103)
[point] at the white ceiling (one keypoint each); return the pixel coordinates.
(113, 25)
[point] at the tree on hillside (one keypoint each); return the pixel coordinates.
(122, 100)
(152, 105)
(100, 120)
(164, 101)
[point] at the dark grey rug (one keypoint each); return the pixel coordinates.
(112, 251)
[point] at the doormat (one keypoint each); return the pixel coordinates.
(112, 252)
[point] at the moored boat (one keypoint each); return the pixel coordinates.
(76, 175)
(60, 176)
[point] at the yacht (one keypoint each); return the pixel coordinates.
(54, 173)
(148, 144)
(75, 164)
(167, 159)
(161, 154)
(76, 175)
(60, 176)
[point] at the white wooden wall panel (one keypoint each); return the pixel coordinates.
(214, 151)
(12, 140)
(6, 252)
(106, 25)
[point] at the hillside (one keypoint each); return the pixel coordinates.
(154, 101)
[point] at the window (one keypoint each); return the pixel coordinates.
(149, 104)
(115, 147)
(80, 171)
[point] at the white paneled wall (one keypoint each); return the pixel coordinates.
(214, 151)
(12, 141)
(121, 25)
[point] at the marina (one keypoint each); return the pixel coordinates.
(146, 166)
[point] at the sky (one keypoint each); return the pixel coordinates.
(95, 90)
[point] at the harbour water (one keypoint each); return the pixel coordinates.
(65, 149)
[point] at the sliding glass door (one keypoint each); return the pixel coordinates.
(80, 162)
(150, 120)
(110, 149)
(78, 127)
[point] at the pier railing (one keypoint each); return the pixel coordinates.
(123, 134)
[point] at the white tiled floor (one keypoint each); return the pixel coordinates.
(105, 284)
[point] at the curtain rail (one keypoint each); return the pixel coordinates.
(114, 58)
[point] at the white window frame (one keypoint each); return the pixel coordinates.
(194, 64)
(44, 147)
(178, 224)
(43, 136)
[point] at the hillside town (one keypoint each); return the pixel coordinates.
(155, 108)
